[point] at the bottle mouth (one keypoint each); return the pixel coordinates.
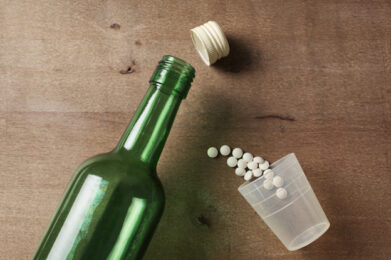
(173, 76)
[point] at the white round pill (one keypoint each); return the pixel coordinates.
(281, 193)
(268, 184)
(258, 159)
(232, 161)
(242, 164)
(237, 153)
(225, 150)
(264, 166)
(257, 172)
(240, 171)
(278, 181)
(247, 157)
(212, 152)
(268, 174)
(248, 176)
(252, 165)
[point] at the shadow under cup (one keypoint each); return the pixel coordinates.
(297, 220)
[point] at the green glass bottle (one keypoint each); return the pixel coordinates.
(115, 200)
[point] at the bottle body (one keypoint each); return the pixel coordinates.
(115, 200)
(109, 211)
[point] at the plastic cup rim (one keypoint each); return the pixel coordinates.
(274, 166)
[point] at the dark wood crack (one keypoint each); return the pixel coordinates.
(285, 118)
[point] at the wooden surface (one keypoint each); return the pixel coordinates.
(310, 77)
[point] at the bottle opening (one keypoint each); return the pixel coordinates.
(173, 76)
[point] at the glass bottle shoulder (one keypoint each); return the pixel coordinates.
(119, 173)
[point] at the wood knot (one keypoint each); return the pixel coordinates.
(129, 69)
(284, 118)
(203, 220)
(115, 26)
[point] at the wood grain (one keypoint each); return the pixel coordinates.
(310, 77)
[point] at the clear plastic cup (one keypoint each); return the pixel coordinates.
(297, 220)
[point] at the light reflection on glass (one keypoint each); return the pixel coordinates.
(79, 217)
(129, 228)
(139, 125)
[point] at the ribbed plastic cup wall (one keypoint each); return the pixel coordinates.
(297, 220)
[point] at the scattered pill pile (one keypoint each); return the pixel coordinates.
(250, 168)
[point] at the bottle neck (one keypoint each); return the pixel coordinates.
(147, 133)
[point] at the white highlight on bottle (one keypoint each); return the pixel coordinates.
(281, 193)
(212, 152)
(138, 126)
(237, 153)
(240, 171)
(247, 157)
(278, 181)
(225, 150)
(232, 161)
(129, 228)
(74, 220)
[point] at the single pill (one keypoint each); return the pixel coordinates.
(268, 184)
(240, 171)
(247, 157)
(232, 161)
(268, 174)
(258, 159)
(281, 193)
(252, 165)
(225, 150)
(257, 172)
(242, 164)
(264, 166)
(248, 176)
(237, 153)
(213, 152)
(278, 181)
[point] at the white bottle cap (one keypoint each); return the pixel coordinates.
(210, 42)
